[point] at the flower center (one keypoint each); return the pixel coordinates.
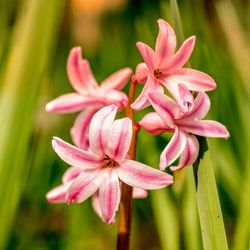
(109, 163)
(157, 73)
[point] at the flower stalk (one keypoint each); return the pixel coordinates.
(125, 208)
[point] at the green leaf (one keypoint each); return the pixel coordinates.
(30, 54)
(211, 220)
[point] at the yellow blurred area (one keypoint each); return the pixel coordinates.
(86, 19)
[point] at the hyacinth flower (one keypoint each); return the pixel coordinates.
(58, 194)
(164, 66)
(106, 163)
(89, 96)
(169, 118)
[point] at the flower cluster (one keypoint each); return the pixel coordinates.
(99, 160)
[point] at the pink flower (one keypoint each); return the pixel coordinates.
(168, 117)
(164, 66)
(138, 193)
(106, 163)
(89, 96)
(58, 194)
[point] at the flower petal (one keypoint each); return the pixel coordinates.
(153, 124)
(148, 55)
(181, 95)
(173, 150)
(166, 41)
(96, 204)
(58, 194)
(164, 106)
(117, 80)
(142, 101)
(205, 128)
(190, 153)
(75, 156)
(100, 128)
(79, 131)
(73, 102)
(139, 193)
(84, 186)
(109, 195)
(200, 108)
(195, 80)
(116, 97)
(141, 73)
(181, 56)
(139, 175)
(119, 139)
(79, 72)
(70, 174)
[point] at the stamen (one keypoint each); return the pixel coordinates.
(157, 73)
(108, 162)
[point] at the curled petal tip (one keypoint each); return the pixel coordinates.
(160, 20)
(76, 49)
(53, 142)
(49, 106)
(113, 107)
(139, 45)
(163, 166)
(109, 221)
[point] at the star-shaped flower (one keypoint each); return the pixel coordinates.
(89, 96)
(164, 66)
(59, 193)
(169, 118)
(106, 163)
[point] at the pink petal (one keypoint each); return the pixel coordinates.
(190, 153)
(117, 80)
(96, 204)
(75, 156)
(79, 131)
(173, 150)
(84, 186)
(100, 128)
(148, 55)
(204, 128)
(116, 97)
(139, 193)
(141, 73)
(73, 102)
(180, 58)
(119, 139)
(139, 175)
(153, 124)
(194, 80)
(79, 72)
(200, 108)
(186, 96)
(142, 101)
(109, 195)
(58, 194)
(166, 41)
(70, 174)
(181, 95)
(164, 106)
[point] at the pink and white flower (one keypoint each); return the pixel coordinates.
(59, 193)
(169, 118)
(89, 96)
(106, 163)
(164, 66)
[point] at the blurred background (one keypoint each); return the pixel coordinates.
(35, 39)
